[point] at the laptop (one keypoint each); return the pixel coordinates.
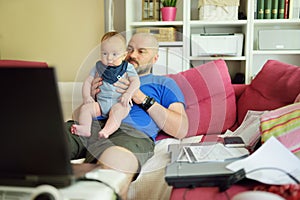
(180, 174)
(34, 147)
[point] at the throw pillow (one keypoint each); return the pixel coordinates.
(284, 124)
(276, 85)
(209, 96)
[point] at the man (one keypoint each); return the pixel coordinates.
(159, 105)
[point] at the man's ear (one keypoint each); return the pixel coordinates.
(155, 58)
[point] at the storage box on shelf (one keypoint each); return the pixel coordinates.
(212, 10)
(273, 40)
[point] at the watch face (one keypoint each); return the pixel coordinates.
(147, 103)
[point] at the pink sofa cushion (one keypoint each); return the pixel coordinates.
(209, 96)
(276, 85)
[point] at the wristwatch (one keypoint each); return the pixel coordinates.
(147, 103)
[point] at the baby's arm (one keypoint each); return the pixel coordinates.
(86, 90)
(132, 88)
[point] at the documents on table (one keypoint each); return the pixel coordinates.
(216, 152)
(248, 131)
(272, 163)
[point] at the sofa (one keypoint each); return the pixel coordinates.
(213, 105)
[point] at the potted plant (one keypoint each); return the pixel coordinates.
(168, 11)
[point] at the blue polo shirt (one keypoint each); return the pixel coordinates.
(165, 91)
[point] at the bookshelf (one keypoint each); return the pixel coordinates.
(175, 56)
(258, 57)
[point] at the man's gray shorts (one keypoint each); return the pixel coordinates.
(126, 136)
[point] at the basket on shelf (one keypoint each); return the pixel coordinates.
(162, 34)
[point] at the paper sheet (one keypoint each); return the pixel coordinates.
(213, 153)
(269, 163)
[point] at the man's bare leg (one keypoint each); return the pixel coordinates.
(120, 159)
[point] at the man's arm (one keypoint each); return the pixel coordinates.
(172, 120)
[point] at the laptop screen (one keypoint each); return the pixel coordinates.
(34, 147)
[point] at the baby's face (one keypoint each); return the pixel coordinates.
(113, 51)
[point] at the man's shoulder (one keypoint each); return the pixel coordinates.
(161, 80)
(160, 77)
(165, 79)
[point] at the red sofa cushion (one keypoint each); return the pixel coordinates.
(276, 85)
(209, 96)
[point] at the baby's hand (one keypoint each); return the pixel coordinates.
(126, 99)
(88, 100)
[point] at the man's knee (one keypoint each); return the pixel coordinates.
(120, 159)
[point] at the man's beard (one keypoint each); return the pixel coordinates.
(140, 70)
(143, 70)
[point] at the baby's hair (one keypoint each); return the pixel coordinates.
(112, 34)
(108, 35)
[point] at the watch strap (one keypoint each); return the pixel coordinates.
(147, 103)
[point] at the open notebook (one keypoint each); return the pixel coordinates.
(34, 148)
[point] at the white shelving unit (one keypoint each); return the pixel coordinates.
(236, 64)
(258, 57)
(187, 23)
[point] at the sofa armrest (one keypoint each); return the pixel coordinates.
(22, 63)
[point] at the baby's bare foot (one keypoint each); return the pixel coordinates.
(80, 130)
(103, 134)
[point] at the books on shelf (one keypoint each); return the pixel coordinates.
(277, 9)
(260, 9)
(267, 10)
(286, 8)
(281, 4)
(274, 10)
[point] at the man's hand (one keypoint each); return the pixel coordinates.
(122, 85)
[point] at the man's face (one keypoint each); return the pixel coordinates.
(141, 54)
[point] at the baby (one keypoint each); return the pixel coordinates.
(110, 104)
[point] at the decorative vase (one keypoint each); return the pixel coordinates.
(168, 13)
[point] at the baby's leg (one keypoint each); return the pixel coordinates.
(116, 114)
(87, 112)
